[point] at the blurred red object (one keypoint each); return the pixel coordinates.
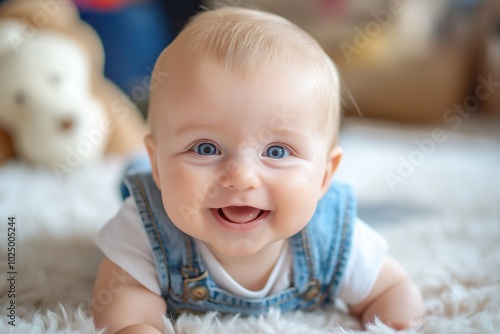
(101, 4)
(331, 8)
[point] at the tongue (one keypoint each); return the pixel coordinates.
(240, 214)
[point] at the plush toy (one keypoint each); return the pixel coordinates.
(56, 107)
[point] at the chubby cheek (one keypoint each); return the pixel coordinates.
(184, 191)
(297, 202)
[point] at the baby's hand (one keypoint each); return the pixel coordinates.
(394, 299)
(148, 329)
(139, 329)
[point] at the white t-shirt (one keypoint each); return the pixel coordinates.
(124, 241)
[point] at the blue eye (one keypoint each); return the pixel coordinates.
(276, 152)
(206, 149)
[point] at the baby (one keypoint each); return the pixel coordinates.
(239, 213)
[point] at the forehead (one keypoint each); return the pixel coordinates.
(198, 87)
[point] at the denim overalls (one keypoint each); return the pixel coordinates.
(320, 254)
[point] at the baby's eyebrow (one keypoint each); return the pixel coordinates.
(278, 133)
(190, 127)
(290, 133)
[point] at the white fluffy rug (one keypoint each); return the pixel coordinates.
(441, 218)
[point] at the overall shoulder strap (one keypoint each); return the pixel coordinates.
(330, 231)
(171, 247)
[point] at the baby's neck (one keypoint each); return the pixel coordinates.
(251, 272)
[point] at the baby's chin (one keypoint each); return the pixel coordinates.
(237, 250)
(241, 249)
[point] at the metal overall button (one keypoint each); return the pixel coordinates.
(199, 293)
(312, 292)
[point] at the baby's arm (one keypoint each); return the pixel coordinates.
(123, 305)
(394, 299)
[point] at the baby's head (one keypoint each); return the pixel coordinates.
(253, 45)
(244, 114)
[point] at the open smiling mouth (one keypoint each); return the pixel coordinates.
(240, 214)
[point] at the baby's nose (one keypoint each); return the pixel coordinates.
(244, 178)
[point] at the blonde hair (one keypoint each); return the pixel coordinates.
(251, 43)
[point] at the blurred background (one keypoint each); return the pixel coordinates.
(421, 142)
(430, 63)
(403, 60)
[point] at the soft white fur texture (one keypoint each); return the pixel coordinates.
(442, 224)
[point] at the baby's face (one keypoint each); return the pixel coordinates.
(240, 163)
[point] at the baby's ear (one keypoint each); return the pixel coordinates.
(332, 162)
(151, 148)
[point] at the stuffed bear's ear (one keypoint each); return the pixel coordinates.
(11, 35)
(6, 146)
(10, 38)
